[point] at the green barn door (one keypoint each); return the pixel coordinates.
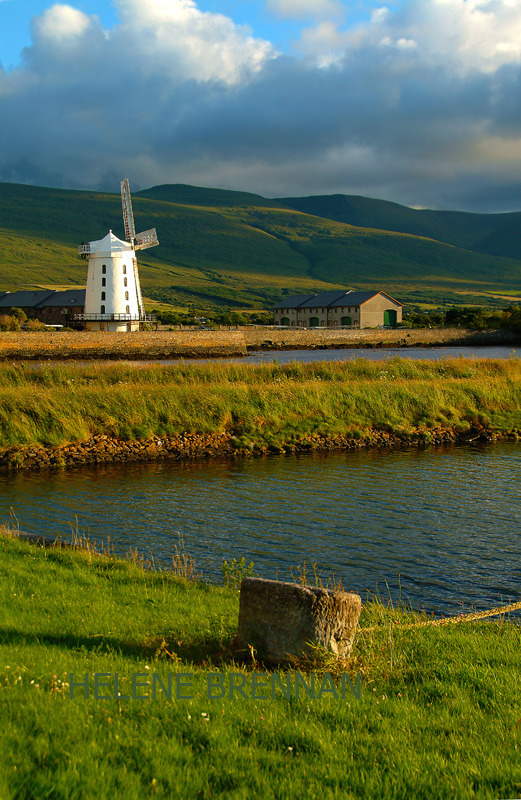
(390, 318)
(313, 322)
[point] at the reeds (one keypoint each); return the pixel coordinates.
(264, 405)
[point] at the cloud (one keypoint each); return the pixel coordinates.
(60, 23)
(420, 105)
(303, 9)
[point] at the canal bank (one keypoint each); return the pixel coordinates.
(66, 415)
(171, 344)
(101, 449)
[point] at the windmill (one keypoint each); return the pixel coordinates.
(113, 300)
(138, 241)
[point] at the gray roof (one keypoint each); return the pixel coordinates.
(2, 294)
(69, 297)
(24, 299)
(43, 298)
(331, 299)
(294, 301)
(359, 298)
(325, 299)
(355, 299)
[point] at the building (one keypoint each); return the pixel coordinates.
(112, 299)
(46, 305)
(339, 309)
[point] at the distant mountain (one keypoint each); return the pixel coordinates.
(458, 228)
(186, 195)
(503, 241)
(220, 248)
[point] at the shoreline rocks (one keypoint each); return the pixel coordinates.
(100, 449)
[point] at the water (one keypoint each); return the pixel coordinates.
(438, 527)
(422, 353)
(287, 356)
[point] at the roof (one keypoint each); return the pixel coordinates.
(69, 297)
(43, 298)
(324, 299)
(294, 301)
(331, 299)
(355, 299)
(359, 298)
(2, 294)
(24, 299)
(109, 244)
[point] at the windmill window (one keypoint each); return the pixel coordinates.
(103, 281)
(125, 282)
(128, 309)
(104, 269)
(126, 295)
(103, 295)
(102, 309)
(124, 269)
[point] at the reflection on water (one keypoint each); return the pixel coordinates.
(287, 356)
(438, 527)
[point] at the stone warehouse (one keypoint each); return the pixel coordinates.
(46, 305)
(339, 309)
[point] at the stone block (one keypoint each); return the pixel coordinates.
(281, 620)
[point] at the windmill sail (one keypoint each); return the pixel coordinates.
(140, 241)
(140, 303)
(128, 216)
(146, 239)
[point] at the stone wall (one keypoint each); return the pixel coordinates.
(288, 339)
(96, 344)
(196, 343)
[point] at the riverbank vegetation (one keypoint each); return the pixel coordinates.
(266, 405)
(475, 318)
(437, 715)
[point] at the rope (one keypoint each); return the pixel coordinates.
(451, 620)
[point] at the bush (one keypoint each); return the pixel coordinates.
(20, 315)
(35, 325)
(9, 323)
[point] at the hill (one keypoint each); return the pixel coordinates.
(459, 228)
(235, 249)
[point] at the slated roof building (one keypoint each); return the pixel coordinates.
(25, 299)
(339, 309)
(46, 305)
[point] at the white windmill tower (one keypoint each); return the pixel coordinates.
(113, 300)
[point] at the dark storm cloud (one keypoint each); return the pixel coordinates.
(172, 95)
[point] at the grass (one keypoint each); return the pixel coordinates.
(438, 714)
(259, 405)
(224, 249)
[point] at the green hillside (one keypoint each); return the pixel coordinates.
(504, 241)
(235, 249)
(458, 228)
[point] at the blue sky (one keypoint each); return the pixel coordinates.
(16, 15)
(417, 101)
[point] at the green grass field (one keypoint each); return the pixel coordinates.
(222, 249)
(259, 404)
(437, 715)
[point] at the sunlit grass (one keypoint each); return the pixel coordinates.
(437, 716)
(260, 405)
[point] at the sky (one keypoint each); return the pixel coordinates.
(414, 101)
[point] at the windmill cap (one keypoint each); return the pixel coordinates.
(110, 245)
